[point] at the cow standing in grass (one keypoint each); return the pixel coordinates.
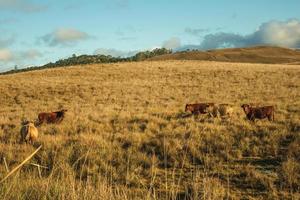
(51, 117)
(263, 112)
(197, 108)
(29, 132)
(220, 110)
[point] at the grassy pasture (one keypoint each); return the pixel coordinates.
(126, 135)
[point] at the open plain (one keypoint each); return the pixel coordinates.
(126, 135)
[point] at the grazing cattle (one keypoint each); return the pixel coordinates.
(253, 113)
(222, 110)
(51, 117)
(197, 108)
(29, 132)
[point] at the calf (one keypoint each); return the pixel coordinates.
(198, 108)
(222, 110)
(253, 113)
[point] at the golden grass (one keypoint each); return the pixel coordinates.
(255, 54)
(126, 135)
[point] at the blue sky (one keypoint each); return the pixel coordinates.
(36, 32)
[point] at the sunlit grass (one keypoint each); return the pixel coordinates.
(126, 135)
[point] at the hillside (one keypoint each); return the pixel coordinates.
(93, 59)
(258, 54)
(126, 134)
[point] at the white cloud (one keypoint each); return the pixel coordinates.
(21, 5)
(64, 36)
(114, 52)
(5, 55)
(172, 43)
(8, 56)
(279, 33)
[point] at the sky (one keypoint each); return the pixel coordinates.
(35, 32)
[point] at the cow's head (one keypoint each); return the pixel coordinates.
(25, 122)
(209, 107)
(31, 123)
(246, 108)
(189, 107)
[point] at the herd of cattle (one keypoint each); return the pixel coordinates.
(29, 131)
(224, 110)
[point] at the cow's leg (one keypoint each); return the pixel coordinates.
(252, 118)
(271, 117)
(249, 117)
(40, 121)
(228, 115)
(59, 120)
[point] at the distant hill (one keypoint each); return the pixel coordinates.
(257, 54)
(94, 59)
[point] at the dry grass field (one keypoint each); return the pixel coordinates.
(126, 135)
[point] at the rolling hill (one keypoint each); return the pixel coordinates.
(257, 54)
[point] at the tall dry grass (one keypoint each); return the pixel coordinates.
(126, 135)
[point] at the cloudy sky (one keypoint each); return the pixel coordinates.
(35, 32)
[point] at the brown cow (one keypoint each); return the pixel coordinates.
(253, 113)
(198, 108)
(51, 117)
